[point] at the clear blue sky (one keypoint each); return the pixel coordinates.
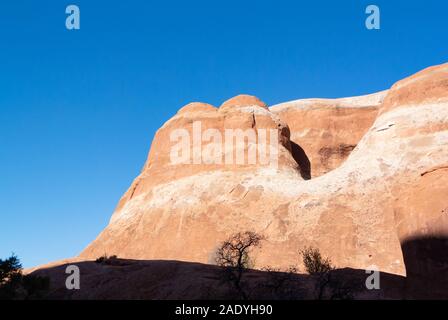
(78, 109)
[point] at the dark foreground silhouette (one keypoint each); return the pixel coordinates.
(426, 262)
(161, 279)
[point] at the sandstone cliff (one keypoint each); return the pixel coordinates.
(360, 178)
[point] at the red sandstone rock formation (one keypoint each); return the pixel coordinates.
(378, 165)
(183, 211)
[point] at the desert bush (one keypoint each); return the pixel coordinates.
(105, 259)
(314, 262)
(327, 285)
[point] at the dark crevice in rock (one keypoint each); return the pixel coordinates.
(302, 160)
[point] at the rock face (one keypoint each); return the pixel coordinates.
(378, 168)
(325, 131)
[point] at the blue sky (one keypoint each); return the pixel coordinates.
(78, 109)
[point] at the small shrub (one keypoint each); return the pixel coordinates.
(105, 259)
(327, 284)
(314, 262)
(101, 259)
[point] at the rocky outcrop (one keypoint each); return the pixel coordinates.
(325, 131)
(370, 159)
(181, 211)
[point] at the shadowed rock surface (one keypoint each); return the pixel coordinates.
(134, 279)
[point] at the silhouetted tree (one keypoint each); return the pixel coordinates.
(9, 267)
(14, 285)
(10, 276)
(233, 255)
